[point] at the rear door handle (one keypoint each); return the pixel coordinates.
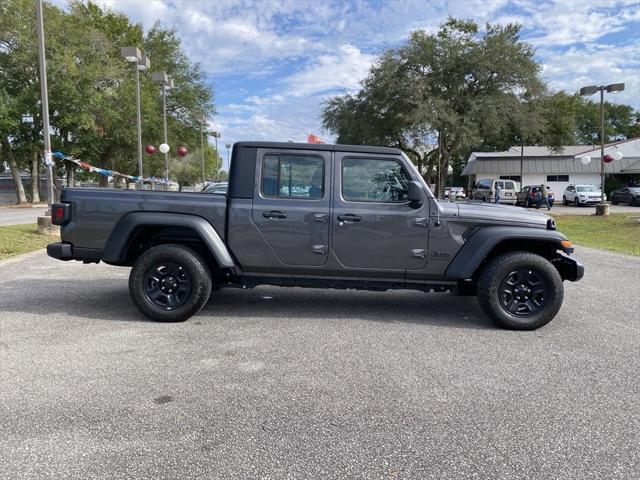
(274, 214)
(349, 217)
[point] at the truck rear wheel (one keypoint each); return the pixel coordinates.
(170, 283)
(520, 290)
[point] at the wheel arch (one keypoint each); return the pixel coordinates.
(140, 229)
(489, 242)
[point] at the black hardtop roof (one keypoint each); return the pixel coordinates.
(320, 146)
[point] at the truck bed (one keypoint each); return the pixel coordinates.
(98, 210)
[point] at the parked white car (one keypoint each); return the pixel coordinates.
(582, 195)
(455, 193)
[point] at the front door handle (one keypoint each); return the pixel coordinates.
(274, 214)
(349, 218)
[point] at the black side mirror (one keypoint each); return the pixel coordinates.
(415, 194)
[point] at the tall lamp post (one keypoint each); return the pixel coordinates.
(48, 159)
(217, 135)
(228, 147)
(141, 62)
(590, 90)
(166, 83)
(202, 119)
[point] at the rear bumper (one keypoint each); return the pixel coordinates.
(66, 251)
(569, 268)
(60, 251)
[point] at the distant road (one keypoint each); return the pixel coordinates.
(18, 216)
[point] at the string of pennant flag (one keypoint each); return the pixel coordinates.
(110, 173)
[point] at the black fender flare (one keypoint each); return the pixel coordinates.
(485, 239)
(116, 245)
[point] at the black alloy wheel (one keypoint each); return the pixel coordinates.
(520, 290)
(167, 285)
(170, 283)
(523, 292)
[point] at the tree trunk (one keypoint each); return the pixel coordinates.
(70, 174)
(35, 178)
(15, 173)
(103, 180)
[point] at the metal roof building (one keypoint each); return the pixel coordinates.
(558, 169)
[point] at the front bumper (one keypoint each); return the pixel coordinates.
(569, 268)
(60, 251)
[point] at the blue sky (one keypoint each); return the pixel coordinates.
(272, 63)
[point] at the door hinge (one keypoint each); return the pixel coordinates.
(421, 222)
(419, 253)
(319, 249)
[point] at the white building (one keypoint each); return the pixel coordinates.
(555, 169)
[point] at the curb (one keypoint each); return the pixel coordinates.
(22, 256)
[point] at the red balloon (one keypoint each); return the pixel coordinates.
(150, 149)
(182, 151)
(607, 158)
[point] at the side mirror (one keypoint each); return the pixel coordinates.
(415, 194)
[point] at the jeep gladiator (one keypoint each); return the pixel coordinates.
(330, 216)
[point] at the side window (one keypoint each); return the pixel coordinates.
(374, 180)
(484, 184)
(293, 176)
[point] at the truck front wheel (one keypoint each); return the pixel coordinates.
(170, 283)
(520, 290)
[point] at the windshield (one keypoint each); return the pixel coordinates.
(587, 188)
(634, 189)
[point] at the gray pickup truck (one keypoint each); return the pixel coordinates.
(331, 216)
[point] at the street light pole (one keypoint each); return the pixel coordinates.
(141, 62)
(228, 145)
(590, 90)
(48, 159)
(202, 119)
(216, 135)
(139, 127)
(166, 82)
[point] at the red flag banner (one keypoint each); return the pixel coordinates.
(314, 139)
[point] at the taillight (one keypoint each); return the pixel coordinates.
(60, 213)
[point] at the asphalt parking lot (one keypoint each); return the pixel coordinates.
(292, 383)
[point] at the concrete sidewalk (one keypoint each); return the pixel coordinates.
(18, 216)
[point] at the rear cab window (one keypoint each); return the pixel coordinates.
(292, 176)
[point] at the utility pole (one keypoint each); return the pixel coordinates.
(48, 159)
(590, 90)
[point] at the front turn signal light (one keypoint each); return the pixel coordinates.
(566, 244)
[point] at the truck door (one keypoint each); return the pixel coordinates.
(374, 226)
(291, 204)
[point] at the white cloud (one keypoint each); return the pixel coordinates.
(562, 23)
(342, 69)
(596, 64)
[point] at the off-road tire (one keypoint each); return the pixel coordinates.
(499, 270)
(194, 271)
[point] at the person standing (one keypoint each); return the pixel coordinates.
(545, 195)
(498, 192)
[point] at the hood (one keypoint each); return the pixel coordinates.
(501, 214)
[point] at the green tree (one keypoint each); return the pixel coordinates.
(91, 89)
(458, 88)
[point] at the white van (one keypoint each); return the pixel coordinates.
(485, 190)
